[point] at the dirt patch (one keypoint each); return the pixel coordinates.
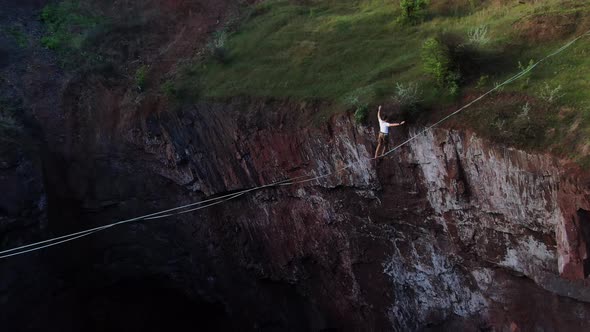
(551, 27)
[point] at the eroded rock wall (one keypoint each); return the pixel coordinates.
(443, 232)
(450, 233)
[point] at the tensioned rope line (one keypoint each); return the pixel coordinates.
(156, 215)
(288, 182)
(145, 217)
(74, 236)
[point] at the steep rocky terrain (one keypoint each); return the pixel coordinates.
(451, 233)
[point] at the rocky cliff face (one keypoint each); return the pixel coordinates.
(449, 233)
(451, 230)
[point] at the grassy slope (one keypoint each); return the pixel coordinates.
(69, 27)
(335, 49)
(323, 51)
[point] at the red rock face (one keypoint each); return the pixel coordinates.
(443, 234)
(446, 228)
(572, 234)
(450, 233)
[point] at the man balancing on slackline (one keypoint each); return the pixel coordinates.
(383, 139)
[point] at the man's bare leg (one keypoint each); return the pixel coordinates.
(384, 148)
(377, 153)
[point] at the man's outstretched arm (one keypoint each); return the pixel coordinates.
(379, 113)
(395, 124)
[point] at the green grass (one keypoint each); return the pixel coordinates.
(68, 26)
(324, 51)
(17, 34)
(335, 50)
(141, 77)
(330, 50)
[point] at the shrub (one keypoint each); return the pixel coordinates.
(522, 68)
(526, 108)
(452, 83)
(550, 94)
(361, 112)
(51, 42)
(436, 59)
(217, 47)
(169, 89)
(140, 77)
(440, 61)
(407, 96)
(482, 81)
(413, 11)
(478, 36)
(68, 25)
(18, 35)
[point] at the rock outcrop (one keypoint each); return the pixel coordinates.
(451, 232)
(443, 231)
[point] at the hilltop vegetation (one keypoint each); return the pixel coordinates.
(426, 57)
(451, 51)
(70, 28)
(328, 50)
